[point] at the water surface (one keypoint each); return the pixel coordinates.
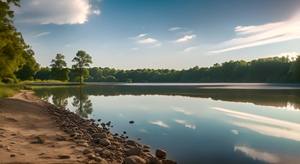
(193, 124)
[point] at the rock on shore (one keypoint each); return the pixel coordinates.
(99, 145)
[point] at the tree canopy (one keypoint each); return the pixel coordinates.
(16, 57)
(82, 61)
(59, 69)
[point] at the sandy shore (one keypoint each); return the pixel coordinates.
(34, 131)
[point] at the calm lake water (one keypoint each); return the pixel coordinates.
(195, 125)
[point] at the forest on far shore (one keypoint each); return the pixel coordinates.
(17, 63)
(275, 69)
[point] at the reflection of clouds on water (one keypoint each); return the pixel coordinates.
(182, 110)
(264, 125)
(159, 123)
(143, 131)
(234, 131)
(257, 154)
(185, 124)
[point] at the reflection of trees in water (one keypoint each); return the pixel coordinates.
(83, 104)
(60, 100)
(60, 97)
(276, 98)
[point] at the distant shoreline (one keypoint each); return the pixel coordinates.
(177, 85)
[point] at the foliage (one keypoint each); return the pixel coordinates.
(276, 69)
(295, 70)
(82, 61)
(43, 74)
(16, 57)
(6, 91)
(58, 68)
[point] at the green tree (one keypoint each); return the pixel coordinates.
(295, 70)
(28, 70)
(58, 68)
(43, 73)
(16, 57)
(82, 62)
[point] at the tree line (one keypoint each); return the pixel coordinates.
(274, 69)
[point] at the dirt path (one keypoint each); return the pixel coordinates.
(29, 135)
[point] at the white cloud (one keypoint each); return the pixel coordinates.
(257, 35)
(174, 28)
(190, 49)
(55, 12)
(145, 39)
(257, 154)
(159, 123)
(97, 12)
(41, 34)
(185, 124)
(185, 38)
(141, 35)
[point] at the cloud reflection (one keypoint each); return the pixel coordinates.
(182, 110)
(264, 125)
(159, 123)
(186, 124)
(235, 132)
(257, 154)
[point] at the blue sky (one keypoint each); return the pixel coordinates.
(160, 33)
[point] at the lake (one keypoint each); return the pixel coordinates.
(195, 123)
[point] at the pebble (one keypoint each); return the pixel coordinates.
(154, 160)
(104, 142)
(60, 138)
(131, 122)
(133, 151)
(99, 135)
(12, 155)
(100, 160)
(134, 160)
(161, 154)
(91, 156)
(106, 153)
(98, 150)
(86, 151)
(64, 157)
(38, 140)
(131, 142)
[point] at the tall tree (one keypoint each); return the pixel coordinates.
(15, 54)
(58, 68)
(295, 70)
(82, 61)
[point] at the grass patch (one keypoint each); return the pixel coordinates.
(7, 91)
